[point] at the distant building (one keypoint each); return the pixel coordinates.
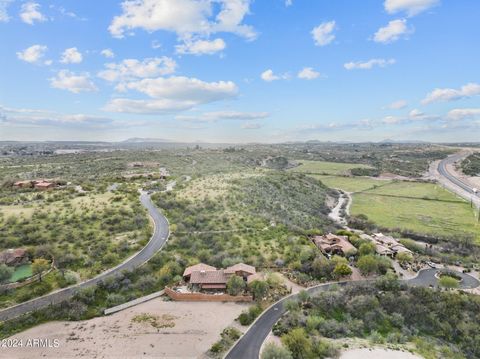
(334, 244)
(386, 245)
(23, 184)
(43, 185)
(205, 277)
(37, 184)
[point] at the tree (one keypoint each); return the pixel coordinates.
(235, 285)
(39, 266)
(297, 343)
(5, 273)
(342, 270)
(259, 289)
(367, 264)
(404, 257)
(366, 248)
(273, 351)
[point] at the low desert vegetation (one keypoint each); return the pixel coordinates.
(435, 323)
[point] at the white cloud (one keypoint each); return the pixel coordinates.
(397, 105)
(33, 54)
(3, 10)
(449, 94)
(201, 47)
(288, 3)
(108, 53)
(269, 76)
(67, 80)
(184, 17)
(463, 114)
(172, 94)
(414, 115)
(368, 64)
(411, 7)
(131, 69)
(30, 12)
(156, 44)
(71, 56)
(23, 116)
(323, 33)
(223, 115)
(308, 73)
(392, 32)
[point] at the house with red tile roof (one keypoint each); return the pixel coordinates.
(202, 276)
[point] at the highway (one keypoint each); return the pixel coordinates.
(156, 242)
(249, 345)
(443, 170)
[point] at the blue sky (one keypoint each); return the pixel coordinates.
(240, 70)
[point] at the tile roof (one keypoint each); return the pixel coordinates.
(208, 277)
(240, 267)
(198, 267)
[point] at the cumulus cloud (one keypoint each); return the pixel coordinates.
(184, 17)
(449, 94)
(172, 94)
(223, 115)
(392, 32)
(397, 105)
(30, 12)
(67, 80)
(71, 56)
(308, 73)
(3, 10)
(323, 33)
(368, 65)
(201, 47)
(269, 76)
(131, 69)
(411, 7)
(34, 54)
(108, 53)
(459, 114)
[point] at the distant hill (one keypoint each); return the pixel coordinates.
(145, 140)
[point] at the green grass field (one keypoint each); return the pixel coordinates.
(23, 271)
(419, 207)
(326, 168)
(350, 184)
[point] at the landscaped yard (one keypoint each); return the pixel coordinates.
(331, 168)
(420, 207)
(21, 272)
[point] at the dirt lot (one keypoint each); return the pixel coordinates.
(160, 330)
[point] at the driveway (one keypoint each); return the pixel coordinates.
(158, 239)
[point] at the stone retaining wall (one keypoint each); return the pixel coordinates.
(202, 297)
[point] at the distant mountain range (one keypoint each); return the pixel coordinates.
(146, 140)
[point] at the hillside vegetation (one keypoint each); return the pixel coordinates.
(471, 165)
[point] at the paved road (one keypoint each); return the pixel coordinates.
(466, 189)
(248, 347)
(158, 239)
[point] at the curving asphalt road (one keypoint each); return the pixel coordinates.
(463, 185)
(158, 239)
(248, 347)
